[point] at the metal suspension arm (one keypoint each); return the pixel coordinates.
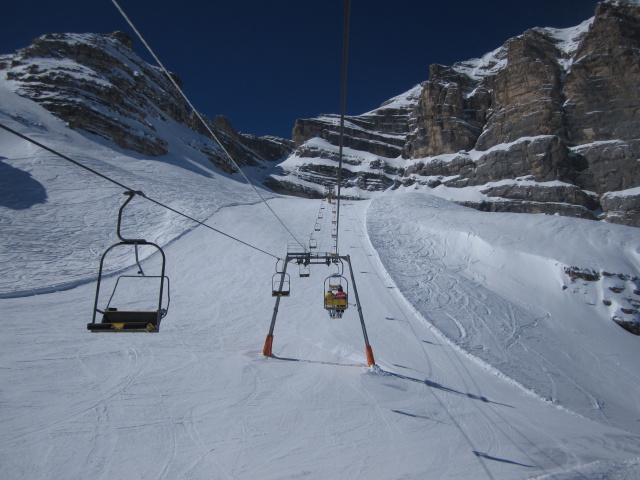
(131, 194)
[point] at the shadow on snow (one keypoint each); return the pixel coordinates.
(19, 190)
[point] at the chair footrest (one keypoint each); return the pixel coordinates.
(121, 327)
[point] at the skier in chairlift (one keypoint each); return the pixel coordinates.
(341, 295)
(329, 298)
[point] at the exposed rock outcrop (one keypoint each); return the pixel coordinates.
(450, 114)
(371, 143)
(601, 86)
(620, 208)
(552, 105)
(546, 123)
(98, 84)
(620, 293)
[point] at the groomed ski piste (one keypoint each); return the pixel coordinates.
(491, 362)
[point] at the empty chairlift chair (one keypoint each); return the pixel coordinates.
(132, 319)
(280, 285)
(305, 270)
(280, 282)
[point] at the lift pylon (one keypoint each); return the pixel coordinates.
(312, 259)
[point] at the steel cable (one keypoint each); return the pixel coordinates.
(213, 135)
(343, 99)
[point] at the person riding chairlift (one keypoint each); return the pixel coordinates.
(340, 295)
(329, 298)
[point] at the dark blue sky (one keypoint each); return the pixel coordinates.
(264, 64)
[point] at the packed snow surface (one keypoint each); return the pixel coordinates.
(491, 362)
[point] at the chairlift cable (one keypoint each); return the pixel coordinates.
(115, 182)
(213, 135)
(343, 98)
(44, 147)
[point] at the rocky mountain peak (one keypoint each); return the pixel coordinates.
(121, 37)
(546, 123)
(98, 84)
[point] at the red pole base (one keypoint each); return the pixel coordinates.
(370, 359)
(266, 351)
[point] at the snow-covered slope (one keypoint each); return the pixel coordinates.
(87, 206)
(498, 285)
(487, 368)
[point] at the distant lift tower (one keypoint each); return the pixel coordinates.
(281, 284)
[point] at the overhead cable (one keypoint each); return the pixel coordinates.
(213, 135)
(343, 99)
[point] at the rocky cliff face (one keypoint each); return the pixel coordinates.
(98, 84)
(547, 123)
(373, 142)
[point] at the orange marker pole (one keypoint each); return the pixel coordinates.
(370, 359)
(268, 343)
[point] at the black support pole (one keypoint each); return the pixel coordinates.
(268, 343)
(370, 360)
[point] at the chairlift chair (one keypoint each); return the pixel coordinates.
(281, 285)
(334, 302)
(305, 270)
(295, 249)
(115, 320)
(280, 282)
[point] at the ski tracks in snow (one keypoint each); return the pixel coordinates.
(483, 324)
(418, 341)
(479, 321)
(194, 403)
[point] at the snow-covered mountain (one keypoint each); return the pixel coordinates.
(100, 86)
(496, 352)
(497, 336)
(546, 123)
